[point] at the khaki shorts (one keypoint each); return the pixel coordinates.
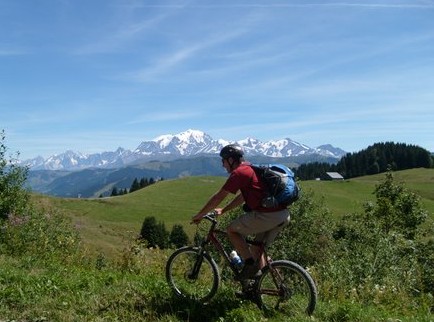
(264, 225)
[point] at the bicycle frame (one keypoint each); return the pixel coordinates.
(212, 238)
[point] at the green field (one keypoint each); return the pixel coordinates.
(45, 274)
(106, 223)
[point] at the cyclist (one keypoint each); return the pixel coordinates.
(264, 223)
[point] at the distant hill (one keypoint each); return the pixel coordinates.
(106, 222)
(93, 182)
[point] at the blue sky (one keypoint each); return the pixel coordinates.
(91, 76)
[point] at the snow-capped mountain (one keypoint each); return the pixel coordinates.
(71, 160)
(185, 144)
(190, 142)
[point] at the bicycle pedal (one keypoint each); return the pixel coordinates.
(245, 295)
(249, 272)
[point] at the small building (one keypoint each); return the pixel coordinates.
(334, 176)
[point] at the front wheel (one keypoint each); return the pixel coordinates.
(288, 288)
(192, 274)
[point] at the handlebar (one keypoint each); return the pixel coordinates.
(211, 216)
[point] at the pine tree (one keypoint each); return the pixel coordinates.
(143, 182)
(114, 192)
(162, 236)
(135, 185)
(178, 236)
(154, 234)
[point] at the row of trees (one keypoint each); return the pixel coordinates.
(156, 235)
(136, 185)
(377, 158)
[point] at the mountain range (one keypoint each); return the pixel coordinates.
(190, 153)
(190, 143)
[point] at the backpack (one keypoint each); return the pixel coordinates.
(282, 189)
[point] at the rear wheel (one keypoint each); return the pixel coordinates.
(287, 288)
(192, 274)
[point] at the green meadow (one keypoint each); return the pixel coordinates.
(105, 223)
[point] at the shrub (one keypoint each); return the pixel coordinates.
(13, 198)
(155, 234)
(178, 236)
(397, 209)
(25, 230)
(425, 258)
(377, 256)
(39, 235)
(307, 240)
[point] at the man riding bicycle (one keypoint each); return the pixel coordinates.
(264, 223)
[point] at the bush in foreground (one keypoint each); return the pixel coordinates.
(381, 255)
(13, 197)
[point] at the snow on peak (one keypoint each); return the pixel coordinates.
(192, 135)
(188, 143)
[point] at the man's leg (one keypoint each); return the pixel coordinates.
(239, 243)
(254, 223)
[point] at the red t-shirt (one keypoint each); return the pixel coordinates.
(243, 178)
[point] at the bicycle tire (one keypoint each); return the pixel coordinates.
(295, 294)
(179, 267)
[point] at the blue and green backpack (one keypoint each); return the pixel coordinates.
(281, 187)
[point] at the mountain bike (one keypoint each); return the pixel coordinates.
(285, 286)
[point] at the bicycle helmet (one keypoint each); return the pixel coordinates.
(232, 151)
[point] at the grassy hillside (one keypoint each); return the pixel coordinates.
(106, 223)
(348, 196)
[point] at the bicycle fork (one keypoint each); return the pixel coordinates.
(282, 289)
(197, 265)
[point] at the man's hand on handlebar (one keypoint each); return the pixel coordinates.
(197, 218)
(217, 212)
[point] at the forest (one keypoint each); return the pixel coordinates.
(375, 159)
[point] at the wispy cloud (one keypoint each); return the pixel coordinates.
(121, 33)
(10, 51)
(373, 4)
(178, 57)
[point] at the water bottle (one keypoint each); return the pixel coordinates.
(235, 259)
